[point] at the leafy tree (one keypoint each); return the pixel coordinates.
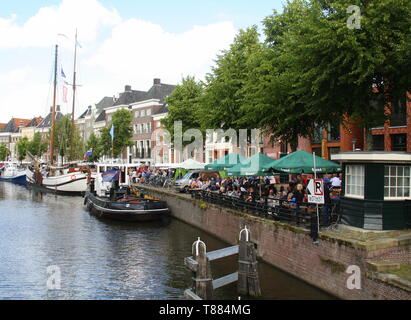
(22, 147)
(77, 148)
(105, 142)
(67, 139)
(36, 146)
(317, 69)
(224, 94)
(123, 131)
(4, 152)
(184, 106)
(94, 144)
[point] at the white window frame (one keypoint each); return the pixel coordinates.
(404, 174)
(354, 173)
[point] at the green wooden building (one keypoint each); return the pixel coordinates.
(376, 189)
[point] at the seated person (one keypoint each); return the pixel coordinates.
(250, 195)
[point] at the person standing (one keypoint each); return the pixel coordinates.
(335, 181)
(327, 202)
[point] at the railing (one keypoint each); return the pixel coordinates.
(275, 209)
(157, 181)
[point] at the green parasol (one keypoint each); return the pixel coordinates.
(303, 162)
(226, 162)
(257, 165)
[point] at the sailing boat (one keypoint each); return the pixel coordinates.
(59, 180)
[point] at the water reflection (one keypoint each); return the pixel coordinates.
(101, 259)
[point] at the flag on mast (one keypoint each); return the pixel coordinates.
(65, 90)
(112, 132)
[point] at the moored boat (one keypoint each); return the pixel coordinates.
(107, 200)
(12, 173)
(66, 181)
(132, 209)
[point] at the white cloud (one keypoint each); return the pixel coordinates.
(41, 30)
(139, 50)
(15, 76)
(115, 52)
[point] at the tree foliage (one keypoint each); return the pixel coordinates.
(311, 69)
(317, 69)
(224, 92)
(123, 131)
(94, 143)
(105, 142)
(67, 140)
(4, 152)
(37, 146)
(21, 148)
(183, 105)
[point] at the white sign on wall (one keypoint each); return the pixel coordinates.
(315, 190)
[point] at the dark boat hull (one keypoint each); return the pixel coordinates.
(147, 211)
(21, 180)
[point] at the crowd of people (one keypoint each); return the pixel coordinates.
(144, 173)
(254, 189)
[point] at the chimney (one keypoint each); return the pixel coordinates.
(157, 81)
(127, 88)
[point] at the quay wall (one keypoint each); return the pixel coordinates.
(291, 249)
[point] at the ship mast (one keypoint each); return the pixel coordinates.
(53, 112)
(74, 79)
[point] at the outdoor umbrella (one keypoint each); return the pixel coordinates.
(257, 165)
(226, 162)
(189, 164)
(303, 162)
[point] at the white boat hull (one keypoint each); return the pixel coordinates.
(72, 183)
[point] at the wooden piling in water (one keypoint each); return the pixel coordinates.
(248, 281)
(203, 283)
(202, 280)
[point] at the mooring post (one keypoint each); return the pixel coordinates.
(248, 281)
(202, 280)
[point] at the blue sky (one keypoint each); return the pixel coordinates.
(174, 16)
(124, 42)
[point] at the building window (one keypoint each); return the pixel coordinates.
(158, 124)
(317, 134)
(399, 113)
(148, 143)
(399, 142)
(137, 114)
(283, 149)
(397, 182)
(142, 113)
(334, 132)
(317, 151)
(354, 181)
(378, 142)
(148, 111)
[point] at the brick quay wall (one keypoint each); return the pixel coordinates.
(291, 249)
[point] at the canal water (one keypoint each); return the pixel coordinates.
(101, 259)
